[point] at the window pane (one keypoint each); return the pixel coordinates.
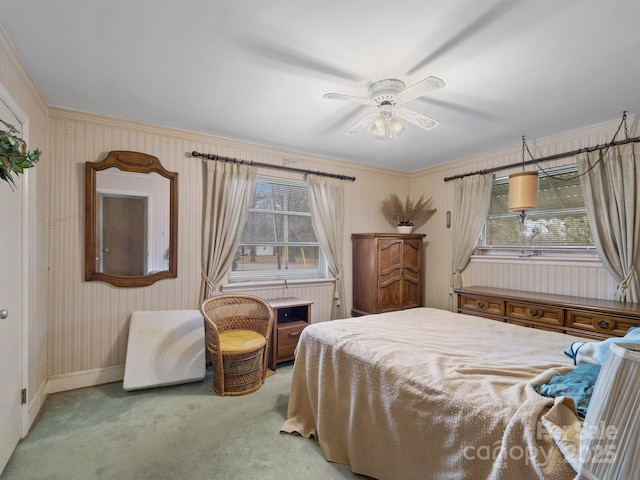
(540, 230)
(278, 241)
(280, 197)
(560, 219)
(259, 226)
(301, 230)
(558, 193)
(277, 262)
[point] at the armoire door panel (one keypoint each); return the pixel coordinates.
(412, 254)
(390, 297)
(389, 256)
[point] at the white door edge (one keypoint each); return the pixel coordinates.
(15, 108)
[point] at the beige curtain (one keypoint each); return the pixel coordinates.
(326, 204)
(612, 199)
(228, 193)
(472, 196)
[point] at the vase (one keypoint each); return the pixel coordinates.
(404, 228)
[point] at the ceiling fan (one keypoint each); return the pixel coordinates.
(386, 95)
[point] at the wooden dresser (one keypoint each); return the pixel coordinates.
(585, 317)
(387, 272)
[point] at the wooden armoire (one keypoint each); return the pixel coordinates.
(387, 272)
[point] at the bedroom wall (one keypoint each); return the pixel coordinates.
(87, 322)
(584, 279)
(17, 82)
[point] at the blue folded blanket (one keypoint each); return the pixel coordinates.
(578, 385)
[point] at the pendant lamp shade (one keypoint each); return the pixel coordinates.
(523, 191)
(610, 437)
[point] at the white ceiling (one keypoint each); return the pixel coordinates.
(256, 70)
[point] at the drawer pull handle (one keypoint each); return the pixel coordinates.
(480, 304)
(533, 312)
(294, 334)
(603, 324)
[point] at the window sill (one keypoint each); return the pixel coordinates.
(574, 260)
(268, 284)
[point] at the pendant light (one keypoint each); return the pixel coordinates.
(523, 190)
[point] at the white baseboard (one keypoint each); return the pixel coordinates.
(34, 407)
(86, 378)
(69, 381)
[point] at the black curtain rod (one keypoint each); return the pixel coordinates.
(210, 156)
(544, 159)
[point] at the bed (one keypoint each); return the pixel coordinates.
(430, 394)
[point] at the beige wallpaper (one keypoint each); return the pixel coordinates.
(88, 321)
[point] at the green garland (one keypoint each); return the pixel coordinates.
(14, 157)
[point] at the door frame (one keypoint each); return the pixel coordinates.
(17, 111)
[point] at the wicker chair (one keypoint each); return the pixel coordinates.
(238, 329)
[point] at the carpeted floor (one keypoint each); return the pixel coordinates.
(179, 432)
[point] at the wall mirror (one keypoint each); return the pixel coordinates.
(131, 220)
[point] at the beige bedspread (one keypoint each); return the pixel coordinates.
(429, 394)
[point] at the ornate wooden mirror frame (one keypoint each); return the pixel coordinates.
(136, 163)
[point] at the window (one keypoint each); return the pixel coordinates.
(278, 242)
(558, 225)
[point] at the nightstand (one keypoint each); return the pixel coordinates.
(291, 316)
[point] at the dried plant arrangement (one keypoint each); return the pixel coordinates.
(407, 213)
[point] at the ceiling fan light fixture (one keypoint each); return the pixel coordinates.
(397, 126)
(381, 134)
(385, 94)
(378, 123)
(380, 127)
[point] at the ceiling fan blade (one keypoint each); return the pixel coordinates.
(361, 124)
(420, 88)
(419, 120)
(483, 22)
(285, 56)
(349, 98)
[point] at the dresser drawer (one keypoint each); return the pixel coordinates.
(537, 313)
(481, 305)
(288, 335)
(598, 323)
(531, 325)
